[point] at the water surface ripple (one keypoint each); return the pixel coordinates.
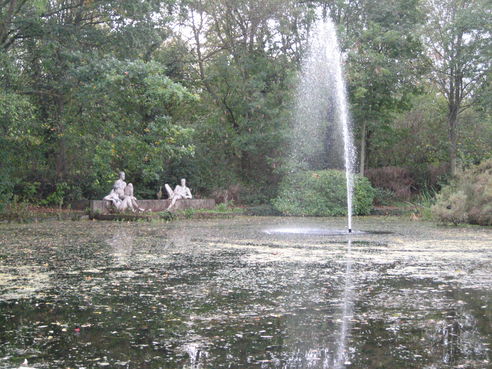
(225, 294)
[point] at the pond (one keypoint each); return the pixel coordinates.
(234, 294)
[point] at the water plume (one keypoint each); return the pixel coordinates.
(322, 132)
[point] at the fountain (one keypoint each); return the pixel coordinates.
(322, 124)
(321, 99)
(322, 134)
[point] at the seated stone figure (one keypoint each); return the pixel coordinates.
(180, 192)
(118, 191)
(130, 199)
(121, 195)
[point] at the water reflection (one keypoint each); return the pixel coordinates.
(220, 298)
(122, 243)
(197, 355)
(341, 358)
(456, 339)
(310, 231)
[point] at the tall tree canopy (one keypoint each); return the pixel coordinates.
(204, 89)
(458, 37)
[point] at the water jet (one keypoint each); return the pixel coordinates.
(322, 92)
(322, 134)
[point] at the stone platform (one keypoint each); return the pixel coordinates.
(103, 206)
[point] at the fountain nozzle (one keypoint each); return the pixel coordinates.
(350, 230)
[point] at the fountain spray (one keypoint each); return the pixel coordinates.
(334, 58)
(326, 42)
(321, 113)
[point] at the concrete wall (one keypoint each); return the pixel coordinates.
(80, 204)
(103, 206)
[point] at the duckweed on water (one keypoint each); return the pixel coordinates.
(225, 294)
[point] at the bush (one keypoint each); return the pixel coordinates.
(395, 179)
(57, 196)
(16, 211)
(262, 210)
(383, 197)
(224, 195)
(468, 199)
(322, 193)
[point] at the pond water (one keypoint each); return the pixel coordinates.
(236, 294)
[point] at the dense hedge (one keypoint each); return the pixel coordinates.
(468, 199)
(322, 193)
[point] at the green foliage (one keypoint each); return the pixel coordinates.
(417, 138)
(459, 41)
(16, 211)
(363, 196)
(167, 216)
(247, 84)
(322, 193)
(18, 140)
(6, 191)
(383, 196)
(424, 202)
(29, 192)
(88, 88)
(130, 106)
(386, 61)
(468, 199)
(56, 197)
(188, 213)
(262, 210)
(224, 206)
(80, 98)
(474, 136)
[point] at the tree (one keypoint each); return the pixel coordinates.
(384, 65)
(122, 117)
(18, 137)
(458, 38)
(246, 55)
(86, 115)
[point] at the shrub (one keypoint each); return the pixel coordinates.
(57, 196)
(262, 210)
(383, 197)
(395, 179)
(16, 211)
(322, 193)
(468, 199)
(224, 195)
(6, 190)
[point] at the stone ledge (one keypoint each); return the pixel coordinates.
(103, 206)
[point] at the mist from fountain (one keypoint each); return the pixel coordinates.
(322, 119)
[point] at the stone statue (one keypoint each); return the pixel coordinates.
(118, 190)
(121, 195)
(131, 200)
(180, 192)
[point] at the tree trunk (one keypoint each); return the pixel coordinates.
(61, 156)
(363, 148)
(452, 131)
(6, 22)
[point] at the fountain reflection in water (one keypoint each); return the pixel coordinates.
(341, 357)
(311, 231)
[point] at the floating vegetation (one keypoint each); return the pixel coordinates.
(222, 293)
